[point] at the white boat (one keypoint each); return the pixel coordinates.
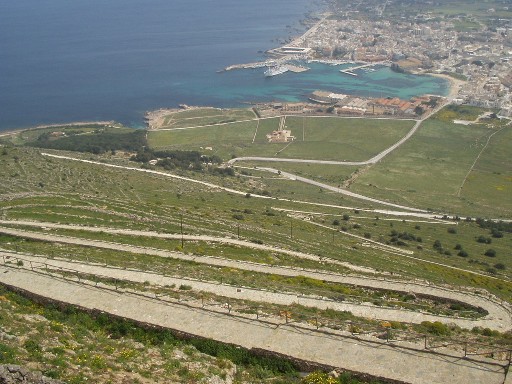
(277, 70)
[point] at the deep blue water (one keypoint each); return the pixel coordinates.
(71, 60)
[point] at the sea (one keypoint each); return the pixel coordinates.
(88, 60)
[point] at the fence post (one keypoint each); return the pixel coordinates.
(425, 341)
(509, 362)
(31, 267)
(202, 301)
(257, 313)
(466, 349)
(316, 322)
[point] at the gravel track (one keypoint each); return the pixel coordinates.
(499, 317)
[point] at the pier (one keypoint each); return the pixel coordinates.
(258, 64)
(349, 71)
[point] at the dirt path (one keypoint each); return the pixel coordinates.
(499, 317)
(366, 310)
(398, 361)
(476, 160)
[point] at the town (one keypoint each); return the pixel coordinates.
(472, 51)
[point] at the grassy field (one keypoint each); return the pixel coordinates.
(204, 116)
(317, 138)
(429, 170)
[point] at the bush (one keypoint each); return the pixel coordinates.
(319, 378)
(436, 328)
(184, 287)
(346, 217)
(462, 253)
(490, 253)
(484, 240)
(500, 266)
(452, 230)
(335, 222)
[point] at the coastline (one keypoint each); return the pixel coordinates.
(72, 124)
(455, 84)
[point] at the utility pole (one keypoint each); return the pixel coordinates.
(181, 226)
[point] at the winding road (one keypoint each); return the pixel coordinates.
(499, 313)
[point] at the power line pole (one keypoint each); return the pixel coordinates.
(181, 226)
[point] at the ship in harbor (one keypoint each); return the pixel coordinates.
(277, 70)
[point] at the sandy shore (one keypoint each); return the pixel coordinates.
(455, 84)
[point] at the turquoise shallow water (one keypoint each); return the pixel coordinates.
(251, 85)
(63, 61)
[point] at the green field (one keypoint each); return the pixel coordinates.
(430, 168)
(204, 116)
(317, 138)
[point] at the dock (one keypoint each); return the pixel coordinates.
(349, 71)
(258, 64)
(296, 68)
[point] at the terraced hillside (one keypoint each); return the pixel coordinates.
(262, 247)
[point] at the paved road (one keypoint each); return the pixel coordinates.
(345, 192)
(499, 317)
(374, 358)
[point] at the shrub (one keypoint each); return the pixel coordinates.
(238, 216)
(499, 266)
(367, 235)
(490, 253)
(483, 239)
(346, 217)
(185, 287)
(436, 328)
(335, 222)
(319, 378)
(462, 253)
(452, 230)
